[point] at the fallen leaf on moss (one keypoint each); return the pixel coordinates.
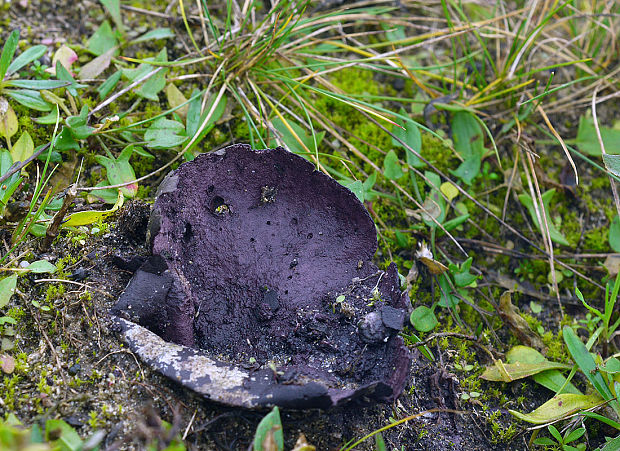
(559, 407)
(510, 315)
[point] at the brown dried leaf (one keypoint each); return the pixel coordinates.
(516, 323)
(95, 67)
(612, 264)
(269, 443)
(175, 98)
(303, 445)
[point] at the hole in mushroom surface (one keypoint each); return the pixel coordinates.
(237, 306)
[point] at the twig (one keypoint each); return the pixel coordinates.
(123, 352)
(191, 422)
(105, 293)
(18, 166)
(471, 338)
(52, 230)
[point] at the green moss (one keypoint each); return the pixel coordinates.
(597, 240)
(556, 351)
(54, 291)
(40, 134)
(499, 432)
(9, 391)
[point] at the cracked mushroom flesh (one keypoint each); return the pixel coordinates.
(261, 289)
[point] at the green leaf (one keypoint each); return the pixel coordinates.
(449, 190)
(453, 223)
(30, 99)
(612, 366)
(7, 289)
(544, 441)
(65, 140)
(410, 134)
(158, 33)
(612, 445)
(114, 9)
(391, 166)
(108, 85)
(9, 186)
(69, 440)
(356, 187)
(603, 419)
(10, 45)
(587, 140)
(151, 87)
(586, 364)
(551, 379)
(433, 180)
(559, 407)
(23, 148)
(63, 74)
(614, 234)
(36, 84)
(90, 217)
(103, 40)
(469, 143)
(77, 125)
(165, 134)
(27, 57)
(380, 443)
(109, 196)
(120, 171)
(8, 119)
(462, 277)
(423, 319)
(555, 234)
(468, 169)
(423, 349)
(556, 434)
(519, 370)
(218, 111)
(574, 435)
(41, 266)
(447, 299)
(49, 118)
(612, 163)
(269, 432)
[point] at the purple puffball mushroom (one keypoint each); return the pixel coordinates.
(261, 290)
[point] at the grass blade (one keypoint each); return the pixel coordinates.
(27, 57)
(586, 364)
(7, 53)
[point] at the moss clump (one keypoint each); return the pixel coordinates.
(55, 291)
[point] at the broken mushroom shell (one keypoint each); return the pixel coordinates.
(250, 249)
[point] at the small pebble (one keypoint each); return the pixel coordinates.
(74, 369)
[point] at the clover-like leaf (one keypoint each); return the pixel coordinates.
(120, 171)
